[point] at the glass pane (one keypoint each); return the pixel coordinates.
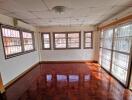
(120, 66)
(73, 40)
(121, 60)
(60, 40)
(100, 56)
(28, 41)
(107, 39)
(46, 45)
(10, 32)
(88, 40)
(123, 38)
(28, 47)
(46, 38)
(11, 41)
(106, 59)
(88, 45)
(88, 35)
(27, 35)
(12, 50)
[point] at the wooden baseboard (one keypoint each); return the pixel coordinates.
(74, 61)
(2, 89)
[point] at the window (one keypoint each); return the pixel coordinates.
(106, 48)
(28, 41)
(46, 41)
(60, 40)
(115, 51)
(88, 40)
(67, 40)
(73, 40)
(11, 41)
(121, 55)
(14, 42)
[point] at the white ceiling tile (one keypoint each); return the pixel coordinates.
(79, 12)
(11, 6)
(53, 3)
(32, 5)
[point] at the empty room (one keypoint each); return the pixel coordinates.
(65, 49)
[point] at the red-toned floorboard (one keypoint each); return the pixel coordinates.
(67, 81)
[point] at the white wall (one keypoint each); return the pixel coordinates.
(71, 54)
(11, 68)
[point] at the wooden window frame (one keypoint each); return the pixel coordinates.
(43, 40)
(84, 38)
(33, 40)
(79, 40)
(66, 33)
(21, 40)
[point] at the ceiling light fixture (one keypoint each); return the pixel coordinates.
(59, 9)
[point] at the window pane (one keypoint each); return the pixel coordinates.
(106, 59)
(28, 47)
(100, 56)
(60, 40)
(46, 40)
(73, 40)
(28, 41)
(88, 39)
(88, 44)
(107, 39)
(11, 41)
(123, 38)
(88, 34)
(122, 46)
(120, 66)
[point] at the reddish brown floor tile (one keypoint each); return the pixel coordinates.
(68, 81)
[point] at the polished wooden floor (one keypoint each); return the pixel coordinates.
(67, 81)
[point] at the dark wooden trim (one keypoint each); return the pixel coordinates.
(74, 61)
(66, 34)
(3, 96)
(2, 41)
(20, 76)
(21, 39)
(118, 21)
(2, 88)
(84, 38)
(33, 40)
(42, 39)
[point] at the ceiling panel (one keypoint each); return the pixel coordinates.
(32, 5)
(53, 3)
(39, 12)
(12, 6)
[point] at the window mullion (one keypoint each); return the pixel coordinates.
(112, 49)
(67, 40)
(22, 41)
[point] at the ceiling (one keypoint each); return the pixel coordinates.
(78, 12)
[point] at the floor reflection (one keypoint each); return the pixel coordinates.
(78, 81)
